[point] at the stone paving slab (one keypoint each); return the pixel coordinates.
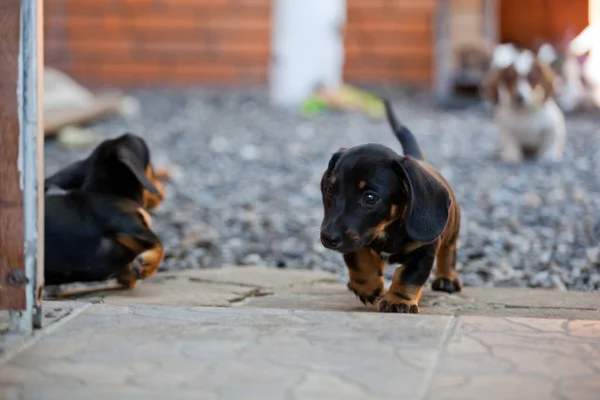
(159, 352)
(518, 358)
(212, 287)
(500, 302)
(52, 312)
(205, 353)
(317, 290)
(289, 334)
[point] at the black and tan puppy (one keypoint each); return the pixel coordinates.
(120, 167)
(96, 223)
(381, 207)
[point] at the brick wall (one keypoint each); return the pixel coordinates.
(139, 42)
(390, 41)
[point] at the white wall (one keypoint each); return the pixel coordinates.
(307, 48)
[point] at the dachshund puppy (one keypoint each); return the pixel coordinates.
(96, 223)
(119, 166)
(521, 88)
(381, 207)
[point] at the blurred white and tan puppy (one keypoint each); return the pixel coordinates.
(587, 43)
(531, 125)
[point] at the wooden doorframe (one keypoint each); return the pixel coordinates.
(443, 74)
(21, 162)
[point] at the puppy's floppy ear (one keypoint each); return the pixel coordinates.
(135, 165)
(428, 201)
(69, 178)
(546, 78)
(332, 162)
(489, 85)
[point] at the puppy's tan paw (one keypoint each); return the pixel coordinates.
(393, 303)
(446, 285)
(366, 293)
(148, 262)
(128, 280)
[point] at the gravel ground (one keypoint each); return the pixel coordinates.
(249, 188)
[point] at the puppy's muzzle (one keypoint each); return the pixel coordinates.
(331, 241)
(519, 98)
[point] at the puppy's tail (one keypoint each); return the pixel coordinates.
(404, 135)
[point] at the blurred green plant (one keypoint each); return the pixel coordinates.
(345, 98)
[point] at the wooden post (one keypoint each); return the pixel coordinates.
(490, 20)
(21, 161)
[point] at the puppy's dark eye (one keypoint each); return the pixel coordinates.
(370, 198)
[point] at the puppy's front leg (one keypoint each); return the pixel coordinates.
(365, 268)
(141, 240)
(555, 144)
(407, 284)
(510, 148)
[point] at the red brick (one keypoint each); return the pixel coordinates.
(203, 74)
(386, 6)
(387, 75)
(204, 5)
(106, 25)
(388, 50)
(95, 49)
(203, 50)
(91, 6)
(132, 73)
(253, 73)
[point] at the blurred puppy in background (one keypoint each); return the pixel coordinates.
(586, 47)
(530, 122)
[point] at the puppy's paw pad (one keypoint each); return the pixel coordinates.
(393, 304)
(446, 285)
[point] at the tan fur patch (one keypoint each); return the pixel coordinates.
(352, 234)
(151, 259)
(129, 242)
(411, 292)
(146, 217)
(362, 184)
(366, 274)
(151, 200)
(410, 247)
(446, 263)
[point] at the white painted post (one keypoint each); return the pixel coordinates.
(31, 160)
(307, 48)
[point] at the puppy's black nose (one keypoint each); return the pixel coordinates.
(519, 98)
(331, 241)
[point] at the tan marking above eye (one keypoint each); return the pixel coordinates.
(411, 246)
(332, 179)
(393, 210)
(362, 184)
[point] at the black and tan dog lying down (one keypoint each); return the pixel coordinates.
(97, 225)
(381, 207)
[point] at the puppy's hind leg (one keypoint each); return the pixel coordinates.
(446, 274)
